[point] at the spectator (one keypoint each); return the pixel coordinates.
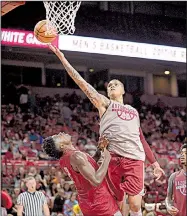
(17, 141)
(32, 102)
(23, 101)
(53, 189)
(22, 135)
(33, 172)
(181, 136)
(33, 150)
(26, 140)
(59, 201)
(19, 177)
(40, 183)
(33, 136)
(67, 113)
(5, 144)
(67, 189)
(69, 204)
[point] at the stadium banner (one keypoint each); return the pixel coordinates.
(12, 37)
(121, 48)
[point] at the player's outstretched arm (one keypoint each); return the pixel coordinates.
(80, 161)
(158, 171)
(169, 199)
(97, 99)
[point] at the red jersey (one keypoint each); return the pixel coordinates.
(179, 192)
(96, 201)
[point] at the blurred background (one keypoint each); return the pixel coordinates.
(39, 99)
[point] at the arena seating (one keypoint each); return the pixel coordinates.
(24, 127)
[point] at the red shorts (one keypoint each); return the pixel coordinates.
(125, 175)
(98, 201)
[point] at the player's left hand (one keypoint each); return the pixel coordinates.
(103, 142)
(158, 172)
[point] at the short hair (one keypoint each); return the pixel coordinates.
(119, 82)
(73, 193)
(25, 181)
(50, 148)
(184, 146)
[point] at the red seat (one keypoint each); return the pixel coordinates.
(9, 156)
(24, 148)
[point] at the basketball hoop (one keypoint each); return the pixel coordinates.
(61, 15)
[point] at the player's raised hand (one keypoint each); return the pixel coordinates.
(56, 51)
(103, 143)
(172, 210)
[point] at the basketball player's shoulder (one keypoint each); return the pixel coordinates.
(173, 175)
(78, 158)
(105, 102)
(131, 107)
(179, 172)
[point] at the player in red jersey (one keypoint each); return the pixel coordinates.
(176, 194)
(94, 196)
(127, 145)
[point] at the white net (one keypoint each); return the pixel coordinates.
(61, 16)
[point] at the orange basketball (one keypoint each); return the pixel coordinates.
(40, 32)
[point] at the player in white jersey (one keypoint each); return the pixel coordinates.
(121, 125)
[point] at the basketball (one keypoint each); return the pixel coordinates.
(40, 32)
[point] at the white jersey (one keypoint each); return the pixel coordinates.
(120, 123)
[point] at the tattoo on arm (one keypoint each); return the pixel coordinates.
(92, 94)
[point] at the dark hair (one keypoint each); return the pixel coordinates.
(50, 148)
(73, 193)
(184, 146)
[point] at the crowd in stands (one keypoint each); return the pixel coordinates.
(27, 120)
